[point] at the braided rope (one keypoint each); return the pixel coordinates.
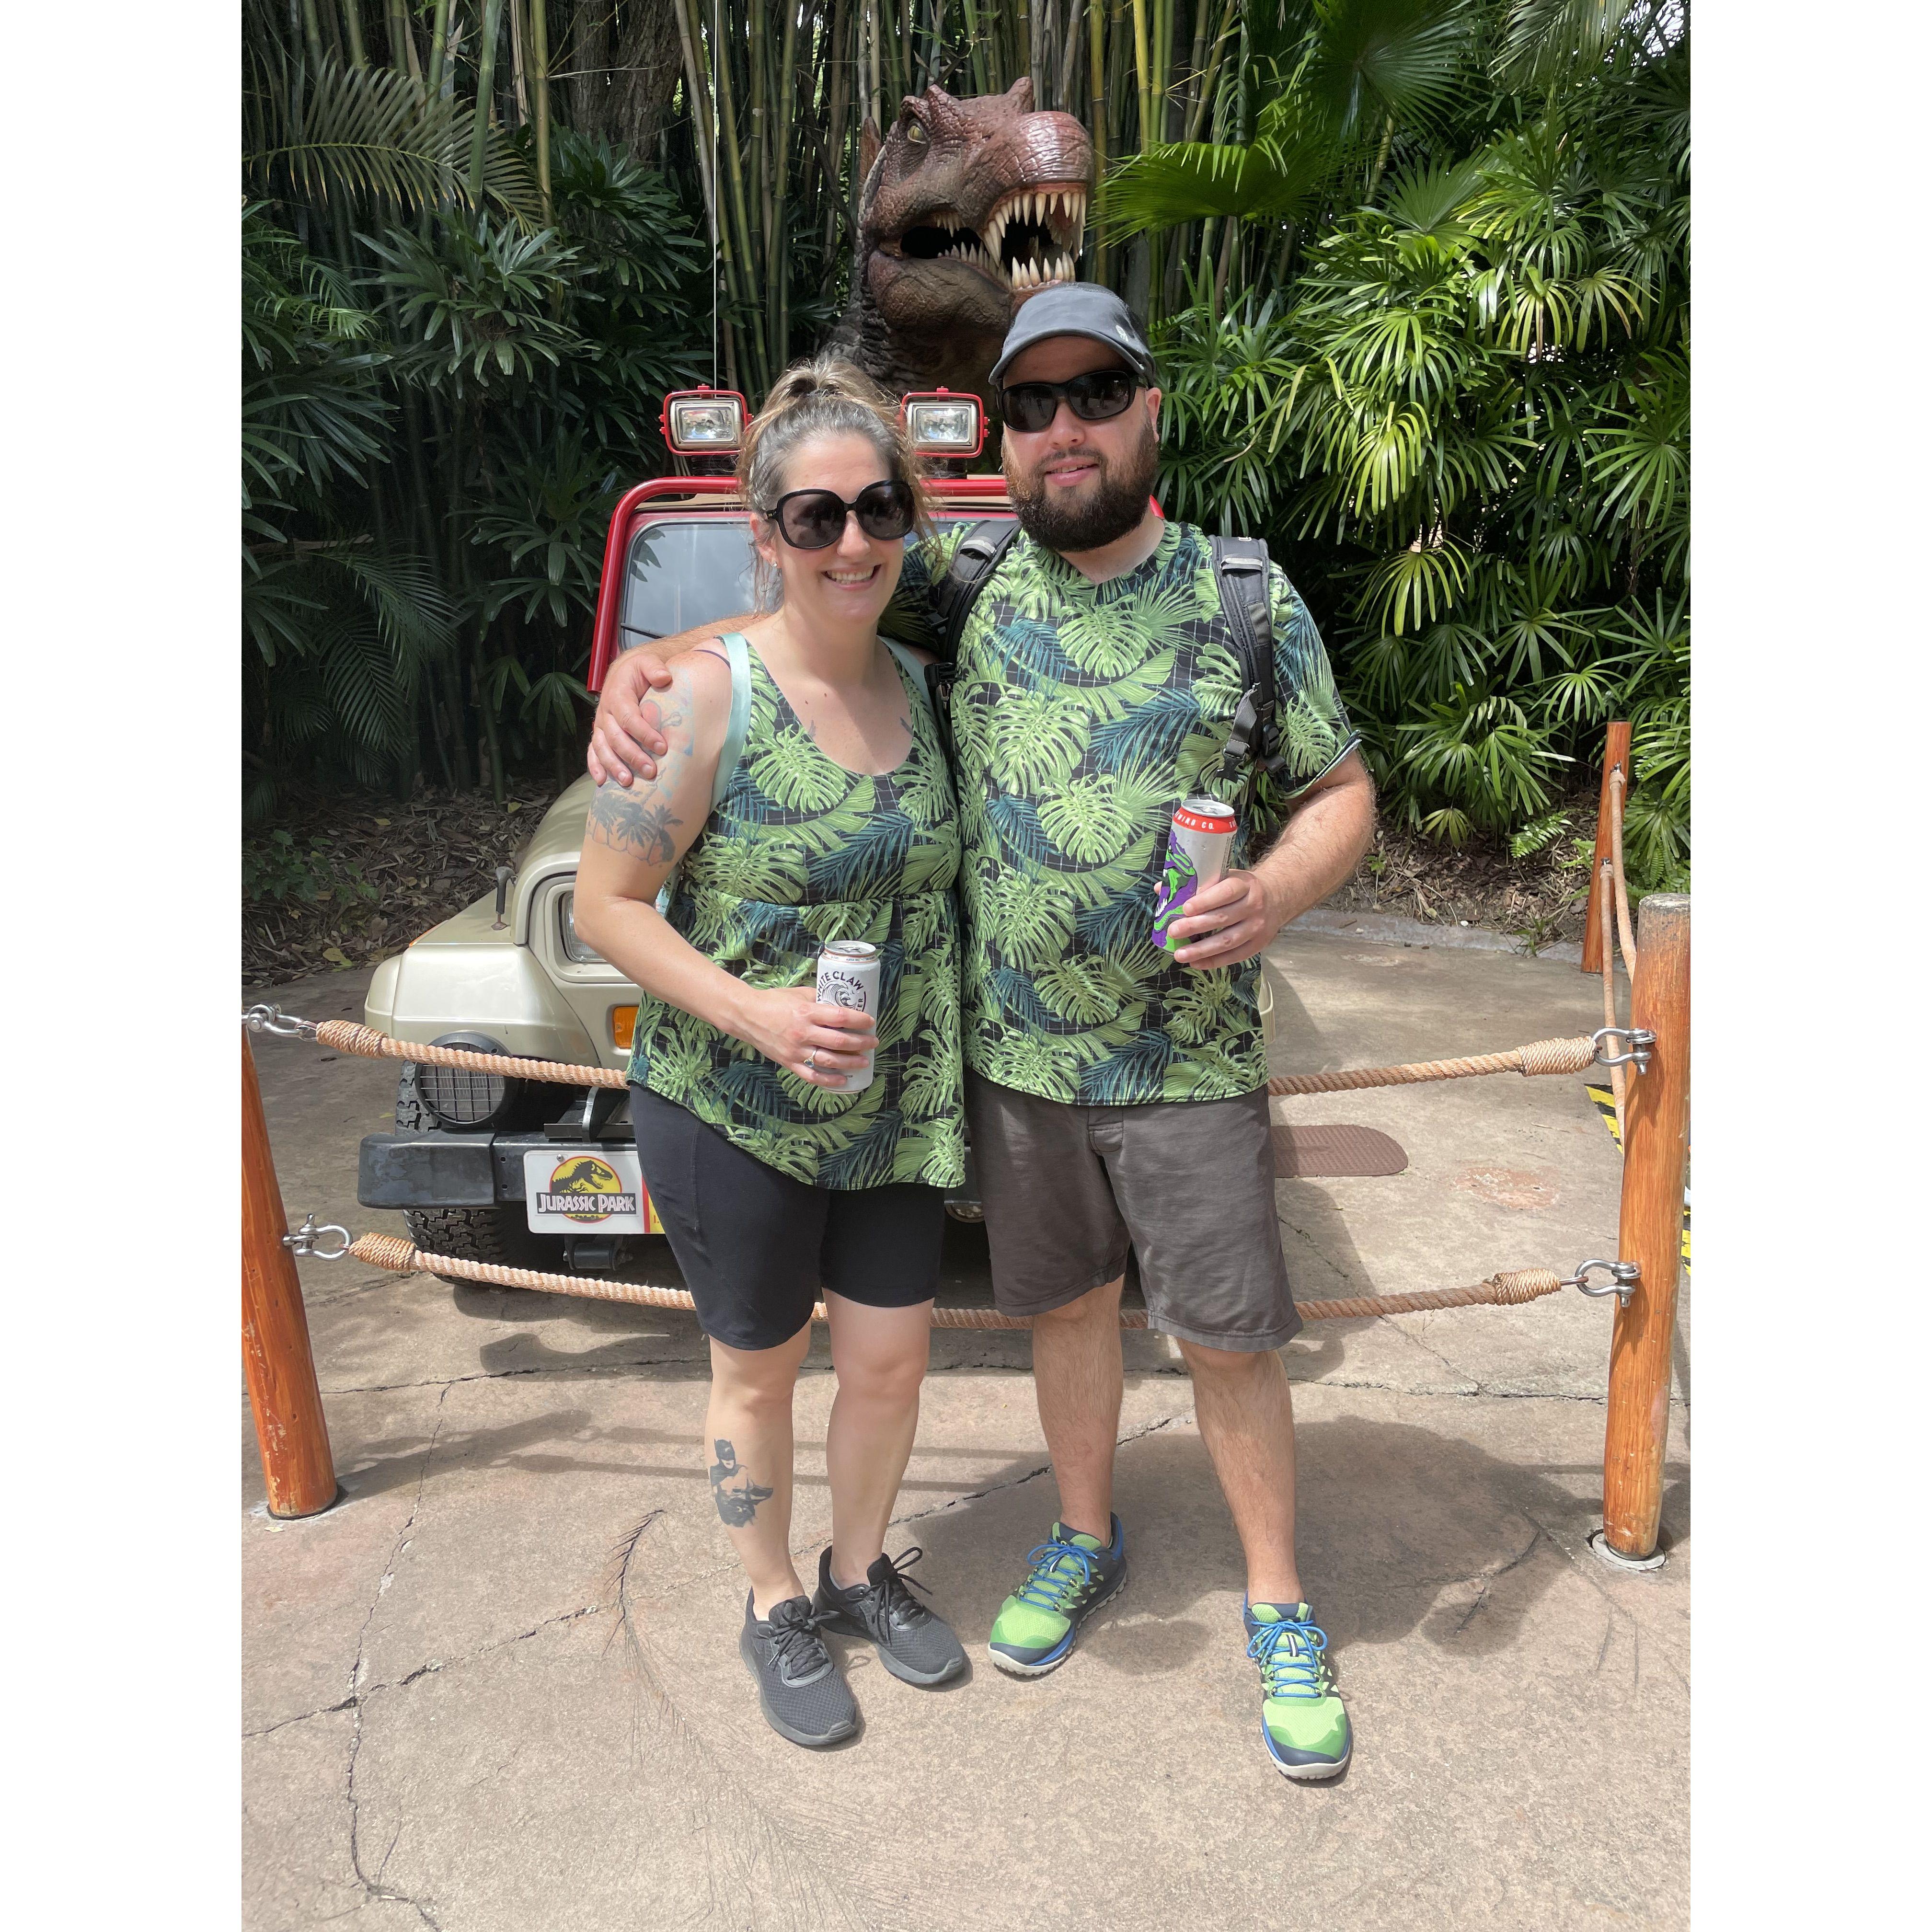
(388, 1251)
(346, 1037)
(1626, 932)
(1540, 1056)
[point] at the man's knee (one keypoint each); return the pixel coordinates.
(1254, 1365)
(1098, 1307)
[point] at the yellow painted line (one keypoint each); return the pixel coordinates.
(1605, 1103)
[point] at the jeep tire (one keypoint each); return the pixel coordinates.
(498, 1235)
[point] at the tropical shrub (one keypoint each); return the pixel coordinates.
(1466, 423)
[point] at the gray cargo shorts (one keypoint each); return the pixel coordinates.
(1188, 1185)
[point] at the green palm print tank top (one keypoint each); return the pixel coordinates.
(799, 851)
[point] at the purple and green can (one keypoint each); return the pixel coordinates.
(1197, 855)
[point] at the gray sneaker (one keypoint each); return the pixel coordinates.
(914, 1645)
(804, 1697)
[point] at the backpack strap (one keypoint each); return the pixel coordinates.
(1241, 577)
(973, 563)
(975, 559)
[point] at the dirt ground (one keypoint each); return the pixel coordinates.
(343, 879)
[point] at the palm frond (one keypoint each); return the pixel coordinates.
(374, 135)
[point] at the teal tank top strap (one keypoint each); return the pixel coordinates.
(738, 654)
(915, 671)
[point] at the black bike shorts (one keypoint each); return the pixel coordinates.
(756, 1245)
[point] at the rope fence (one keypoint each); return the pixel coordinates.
(1540, 1057)
(1508, 1289)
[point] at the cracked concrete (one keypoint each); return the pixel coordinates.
(496, 1686)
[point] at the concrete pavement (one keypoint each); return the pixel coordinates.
(497, 1687)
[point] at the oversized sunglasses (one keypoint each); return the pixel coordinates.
(1094, 398)
(815, 519)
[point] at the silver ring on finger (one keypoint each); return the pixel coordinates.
(811, 1058)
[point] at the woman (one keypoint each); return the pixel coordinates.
(835, 820)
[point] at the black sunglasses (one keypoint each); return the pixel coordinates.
(815, 519)
(1094, 398)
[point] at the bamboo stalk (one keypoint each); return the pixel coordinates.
(540, 89)
(486, 68)
(976, 50)
(728, 122)
(777, 247)
(438, 47)
(873, 108)
(1070, 56)
(1097, 116)
(701, 118)
(1143, 74)
(839, 71)
(520, 39)
(312, 33)
(402, 55)
(352, 28)
(1205, 106)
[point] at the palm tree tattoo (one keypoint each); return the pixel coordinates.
(736, 1508)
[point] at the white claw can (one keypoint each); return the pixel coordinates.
(1197, 855)
(848, 975)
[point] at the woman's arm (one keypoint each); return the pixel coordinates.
(633, 839)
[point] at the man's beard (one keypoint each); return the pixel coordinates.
(1115, 504)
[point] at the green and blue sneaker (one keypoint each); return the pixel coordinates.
(1303, 1722)
(1069, 1576)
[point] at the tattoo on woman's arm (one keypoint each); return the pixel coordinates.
(736, 1508)
(640, 826)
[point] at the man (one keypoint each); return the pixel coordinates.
(1117, 1093)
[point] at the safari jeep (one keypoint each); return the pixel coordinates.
(495, 1169)
(537, 1174)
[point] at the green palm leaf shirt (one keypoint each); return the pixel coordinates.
(800, 850)
(1083, 714)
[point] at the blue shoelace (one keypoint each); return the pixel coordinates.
(1290, 1655)
(1048, 1587)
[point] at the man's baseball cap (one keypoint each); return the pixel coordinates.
(1079, 308)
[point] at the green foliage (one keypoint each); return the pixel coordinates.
(1418, 268)
(278, 869)
(448, 377)
(1466, 426)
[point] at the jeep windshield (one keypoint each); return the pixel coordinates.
(687, 571)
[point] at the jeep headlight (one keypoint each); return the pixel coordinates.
(573, 948)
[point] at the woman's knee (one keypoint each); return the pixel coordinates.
(758, 1378)
(885, 1368)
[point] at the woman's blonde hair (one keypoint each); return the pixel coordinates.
(824, 395)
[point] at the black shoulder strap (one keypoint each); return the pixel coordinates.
(973, 563)
(975, 559)
(1241, 576)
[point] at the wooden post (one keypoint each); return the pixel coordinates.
(1616, 752)
(275, 1354)
(1657, 1144)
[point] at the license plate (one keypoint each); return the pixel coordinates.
(572, 1191)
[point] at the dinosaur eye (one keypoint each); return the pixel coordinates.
(915, 132)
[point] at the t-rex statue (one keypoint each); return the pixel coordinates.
(967, 207)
